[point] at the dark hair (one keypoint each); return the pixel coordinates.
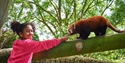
(19, 27)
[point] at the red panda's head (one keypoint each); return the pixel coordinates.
(71, 29)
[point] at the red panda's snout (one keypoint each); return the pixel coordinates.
(70, 32)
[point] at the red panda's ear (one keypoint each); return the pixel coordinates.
(74, 26)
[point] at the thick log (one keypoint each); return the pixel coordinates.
(91, 45)
(4, 54)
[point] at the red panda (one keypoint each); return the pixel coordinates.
(96, 24)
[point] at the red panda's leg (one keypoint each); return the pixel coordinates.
(100, 31)
(83, 31)
(84, 35)
(97, 33)
(103, 32)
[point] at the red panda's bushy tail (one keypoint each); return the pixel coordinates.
(113, 28)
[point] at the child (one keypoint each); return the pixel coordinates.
(24, 47)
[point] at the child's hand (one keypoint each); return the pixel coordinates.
(64, 38)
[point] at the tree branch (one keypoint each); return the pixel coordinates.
(43, 9)
(91, 45)
(54, 5)
(83, 9)
(107, 6)
(46, 25)
(89, 6)
(59, 11)
(4, 5)
(74, 10)
(56, 8)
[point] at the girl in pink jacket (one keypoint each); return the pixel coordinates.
(24, 47)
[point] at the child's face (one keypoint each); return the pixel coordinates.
(27, 32)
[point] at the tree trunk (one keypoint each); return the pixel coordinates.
(4, 6)
(91, 45)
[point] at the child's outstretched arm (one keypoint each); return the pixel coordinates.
(45, 45)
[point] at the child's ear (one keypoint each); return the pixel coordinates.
(20, 34)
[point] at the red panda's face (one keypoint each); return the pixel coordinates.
(71, 30)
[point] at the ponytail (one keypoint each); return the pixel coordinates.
(15, 26)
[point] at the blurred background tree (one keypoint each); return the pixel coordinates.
(52, 18)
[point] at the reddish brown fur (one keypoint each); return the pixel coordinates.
(96, 24)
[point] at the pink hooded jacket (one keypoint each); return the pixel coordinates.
(23, 49)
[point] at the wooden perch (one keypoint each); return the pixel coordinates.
(91, 45)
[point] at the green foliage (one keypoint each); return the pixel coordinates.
(118, 12)
(36, 37)
(53, 20)
(7, 39)
(113, 55)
